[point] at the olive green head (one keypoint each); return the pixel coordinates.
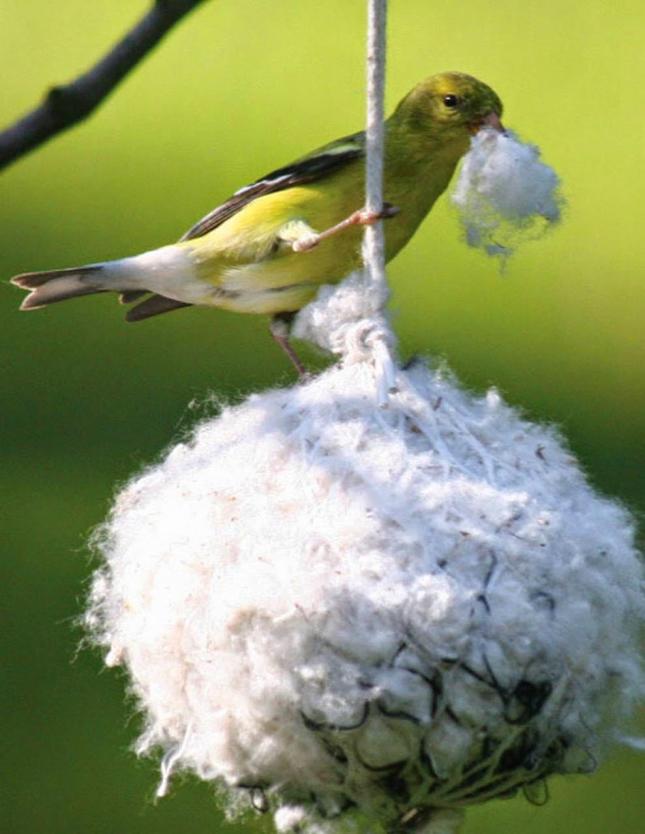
(450, 106)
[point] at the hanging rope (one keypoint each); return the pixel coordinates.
(380, 338)
(349, 319)
(374, 247)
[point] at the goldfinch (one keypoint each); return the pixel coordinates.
(270, 246)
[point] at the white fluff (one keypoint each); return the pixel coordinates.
(336, 609)
(504, 193)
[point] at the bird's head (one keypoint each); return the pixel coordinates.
(448, 108)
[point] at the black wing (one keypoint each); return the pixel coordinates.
(314, 166)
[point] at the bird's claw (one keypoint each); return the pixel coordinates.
(364, 217)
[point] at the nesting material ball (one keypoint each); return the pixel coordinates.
(505, 193)
(335, 610)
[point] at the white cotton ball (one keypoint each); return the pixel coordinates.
(504, 193)
(336, 609)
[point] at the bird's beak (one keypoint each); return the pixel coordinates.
(490, 120)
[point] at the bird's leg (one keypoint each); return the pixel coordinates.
(279, 327)
(303, 238)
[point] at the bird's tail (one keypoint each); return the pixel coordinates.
(60, 284)
(150, 274)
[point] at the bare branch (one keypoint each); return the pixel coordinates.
(67, 104)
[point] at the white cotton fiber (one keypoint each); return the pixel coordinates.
(340, 610)
(504, 193)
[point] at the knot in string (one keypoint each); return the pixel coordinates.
(347, 320)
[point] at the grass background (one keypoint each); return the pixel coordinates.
(238, 89)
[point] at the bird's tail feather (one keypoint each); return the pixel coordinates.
(59, 284)
(129, 277)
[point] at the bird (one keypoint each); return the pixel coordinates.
(269, 247)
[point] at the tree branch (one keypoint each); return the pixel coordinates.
(67, 104)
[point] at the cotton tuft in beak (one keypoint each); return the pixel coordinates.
(505, 194)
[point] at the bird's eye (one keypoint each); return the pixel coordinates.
(450, 101)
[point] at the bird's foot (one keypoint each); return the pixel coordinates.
(362, 217)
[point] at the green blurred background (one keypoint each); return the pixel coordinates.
(239, 88)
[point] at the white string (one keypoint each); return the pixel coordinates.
(350, 319)
(169, 761)
(374, 242)
(381, 339)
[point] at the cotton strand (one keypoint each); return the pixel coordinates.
(505, 193)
